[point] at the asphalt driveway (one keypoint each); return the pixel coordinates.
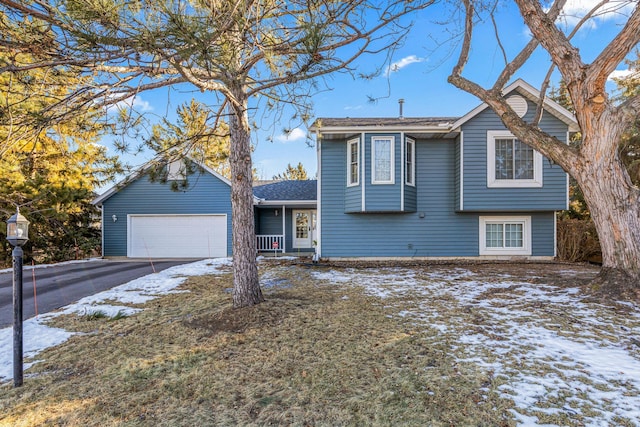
(61, 284)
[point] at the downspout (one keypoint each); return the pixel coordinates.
(284, 228)
(402, 166)
(461, 170)
(319, 195)
(363, 171)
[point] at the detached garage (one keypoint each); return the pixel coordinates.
(168, 216)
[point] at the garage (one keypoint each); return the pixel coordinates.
(177, 236)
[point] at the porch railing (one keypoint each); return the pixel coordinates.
(270, 242)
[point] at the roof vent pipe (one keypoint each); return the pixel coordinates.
(401, 104)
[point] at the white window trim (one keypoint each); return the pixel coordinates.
(526, 237)
(391, 139)
(412, 142)
(492, 182)
(351, 142)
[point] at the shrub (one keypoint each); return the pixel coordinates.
(577, 240)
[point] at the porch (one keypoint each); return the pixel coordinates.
(286, 218)
(272, 246)
(285, 230)
(270, 243)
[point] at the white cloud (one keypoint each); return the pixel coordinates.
(620, 74)
(134, 102)
(407, 60)
(575, 10)
(296, 134)
(353, 107)
(141, 104)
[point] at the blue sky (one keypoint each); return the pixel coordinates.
(418, 75)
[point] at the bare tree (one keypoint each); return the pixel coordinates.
(238, 50)
(613, 200)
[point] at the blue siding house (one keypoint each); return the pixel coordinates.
(444, 187)
(440, 187)
(183, 210)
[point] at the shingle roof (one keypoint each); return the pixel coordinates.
(288, 190)
(382, 121)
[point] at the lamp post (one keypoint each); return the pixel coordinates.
(17, 235)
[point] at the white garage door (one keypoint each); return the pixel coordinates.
(177, 236)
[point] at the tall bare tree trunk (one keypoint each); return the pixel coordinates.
(246, 285)
(614, 204)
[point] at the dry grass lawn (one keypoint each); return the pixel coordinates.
(317, 352)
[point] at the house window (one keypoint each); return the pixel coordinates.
(353, 162)
(511, 162)
(409, 166)
(382, 160)
(505, 235)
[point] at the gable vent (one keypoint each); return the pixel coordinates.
(519, 104)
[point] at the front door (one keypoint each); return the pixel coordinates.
(304, 228)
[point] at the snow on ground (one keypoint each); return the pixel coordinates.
(37, 336)
(555, 353)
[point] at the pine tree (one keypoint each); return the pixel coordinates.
(50, 169)
(298, 173)
(240, 52)
(197, 132)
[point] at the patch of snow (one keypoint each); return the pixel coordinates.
(95, 307)
(262, 258)
(554, 352)
(331, 276)
(37, 336)
(594, 363)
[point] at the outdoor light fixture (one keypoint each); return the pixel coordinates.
(114, 218)
(276, 213)
(17, 235)
(17, 229)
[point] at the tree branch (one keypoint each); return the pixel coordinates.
(615, 52)
(466, 41)
(27, 11)
(547, 145)
(547, 78)
(563, 53)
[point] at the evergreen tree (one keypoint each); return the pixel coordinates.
(236, 50)
(197, 132)
(298, 173)
(51, 170)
